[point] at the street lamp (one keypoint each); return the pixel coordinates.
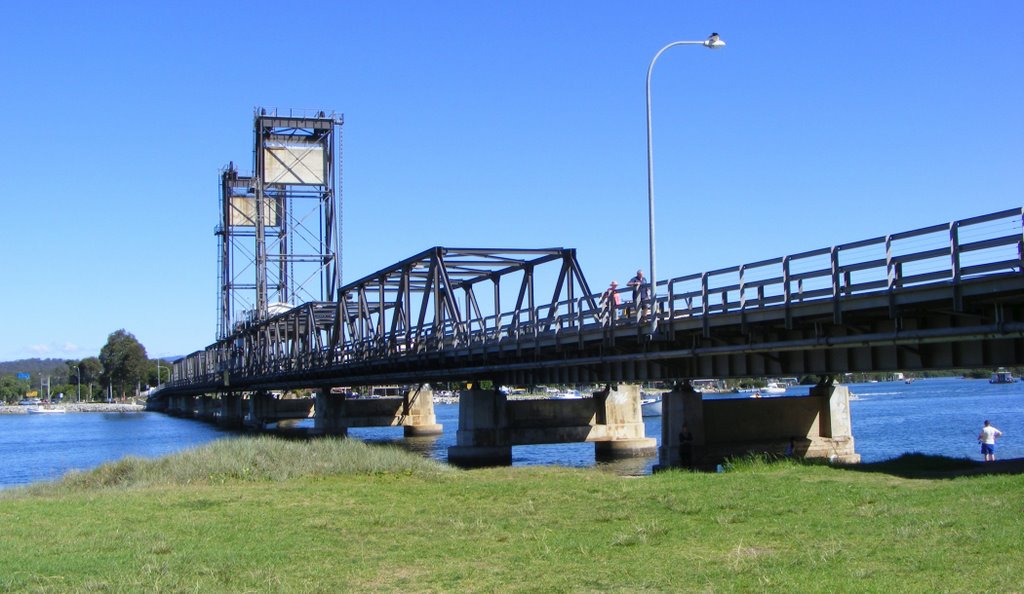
(712, 42)
(79, 372)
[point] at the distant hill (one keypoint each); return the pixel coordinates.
(34, 366)
(49, 366)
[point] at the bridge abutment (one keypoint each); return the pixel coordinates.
(813, 426)
(490, 424)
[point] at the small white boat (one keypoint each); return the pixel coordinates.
(39, 410)
(567, 395)
(1002, 376)
(650, 407)
(773, 388)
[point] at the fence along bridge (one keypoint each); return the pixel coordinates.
(943, 296)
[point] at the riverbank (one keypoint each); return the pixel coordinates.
(200, 520)
(77, 407)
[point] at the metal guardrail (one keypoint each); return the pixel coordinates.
(945, 254)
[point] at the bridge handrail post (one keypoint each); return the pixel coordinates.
(954, 257)
(743, 289)
(671, 291)
(705, 304)
(954, 251)
(890, 263)
(836, 285)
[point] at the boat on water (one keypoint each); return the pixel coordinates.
(41, 410)
(650, 407)
(567, 395)
(1002, 376)
(773, 388)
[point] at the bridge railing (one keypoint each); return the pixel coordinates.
(950, 252)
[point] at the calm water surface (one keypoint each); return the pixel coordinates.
(940, 416)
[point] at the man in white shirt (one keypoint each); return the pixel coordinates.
(987, 439)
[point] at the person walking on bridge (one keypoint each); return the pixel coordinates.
(987, 439)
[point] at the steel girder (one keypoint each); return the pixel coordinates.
(432, 301)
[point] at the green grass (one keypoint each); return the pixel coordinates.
(269, 515)
(255, 459)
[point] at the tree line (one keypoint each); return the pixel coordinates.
(120, 370)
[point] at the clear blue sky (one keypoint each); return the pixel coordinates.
(481, 124)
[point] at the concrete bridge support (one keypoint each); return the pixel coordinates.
(483, 437)
(265, 408)
(418, 418)
(328, 416)
(490, 424)
(259, 410)
(173, 407)
(182, 406)
(205, 407)
(814, 426)
(232, 411)
(414, 411)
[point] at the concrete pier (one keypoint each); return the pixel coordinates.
(490, 424)
(232, 411)
(814, 426)
(205, 407)
(265, 407)
(414, 411)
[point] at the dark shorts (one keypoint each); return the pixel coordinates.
(988, 448)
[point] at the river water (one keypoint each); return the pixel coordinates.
(936, 416)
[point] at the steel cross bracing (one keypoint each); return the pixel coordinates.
(947, 295)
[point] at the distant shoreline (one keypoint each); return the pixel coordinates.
(77, 407)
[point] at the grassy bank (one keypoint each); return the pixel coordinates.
(342, 516)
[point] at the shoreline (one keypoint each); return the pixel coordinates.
(77, 407)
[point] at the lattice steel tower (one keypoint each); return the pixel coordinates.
(286, 251)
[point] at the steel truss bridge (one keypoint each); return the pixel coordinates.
(945, 296)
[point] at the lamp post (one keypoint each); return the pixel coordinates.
(712, 42)
(79, 372)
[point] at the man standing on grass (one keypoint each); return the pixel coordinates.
(987, 439)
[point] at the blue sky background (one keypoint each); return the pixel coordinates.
(479, 124)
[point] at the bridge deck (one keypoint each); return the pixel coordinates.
(939, 297)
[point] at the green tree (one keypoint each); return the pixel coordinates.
(124, 361)
(92, 372)
(152, 379)
(12, 389)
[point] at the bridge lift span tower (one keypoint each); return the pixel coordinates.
(279, 232)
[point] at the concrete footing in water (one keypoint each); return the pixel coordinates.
(698, 433)
(490, 424)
